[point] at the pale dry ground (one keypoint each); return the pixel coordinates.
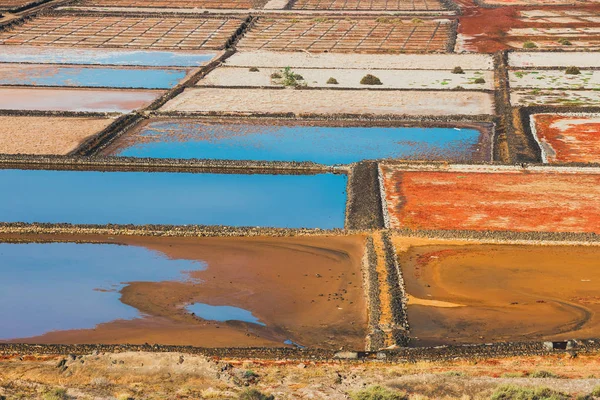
(183, 376)
(554, 79)
(350, 78)
(537, 97)
(549, 59)
(46, 135)
(274, 59)
(331, 102)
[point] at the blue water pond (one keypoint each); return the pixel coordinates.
(325, 145)
(42, 55)
(62, 286)
(45, 75)
(223, 313)
(82, 197)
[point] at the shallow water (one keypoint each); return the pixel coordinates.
(36, 54)
(223, 313)
(326, 145)
(44, 75)
(61, 286)
(84, 197)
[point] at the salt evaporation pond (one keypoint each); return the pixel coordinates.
(54, 55)
(92, 197)
(47, 75)
(325, 145)
(63, 286)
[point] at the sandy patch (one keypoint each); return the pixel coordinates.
(331, 102)
(274, 59)
(46, 135)
(350, 78)
(307, 289)
(545, 79)
(549, 59)
(537, 97)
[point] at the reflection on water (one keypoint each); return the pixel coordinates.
(62, 286)
(40, 75)
(326, 145)
(223, 313)
(37, 54)
(90, 197)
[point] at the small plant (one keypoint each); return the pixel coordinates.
(512, 392)
(290, 78)
(250, 374)
(275, 75)
(479, 80)
(56, 394)
(253, 394)
(596, 391)
(378, 393)
(572, 71)
(253, 69)
(529, 45)
(564, 42)
(543, 374)
(416, 21)
(370, 80)
(332, 81)
(513, 375)
(454, 373)
(458, 70)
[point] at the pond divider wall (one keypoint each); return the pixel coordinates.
(400, 355)
(375, 339)
(395, 281)
(363, 209)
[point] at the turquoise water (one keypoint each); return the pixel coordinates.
(42, 55)
(325, 145)
(223, 313)
(82, 197)
(91, 77)
(62, 286)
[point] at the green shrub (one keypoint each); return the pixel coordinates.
(529, 45)
(56, 394)
(454, 373)
(479, 80)
(275, 75)
(512, 392)
(332, 81)
(253, 394)
(458, 70)
(253, 69)
(572, 71)
(290, 78)
(370, 80)
(416, 21)
(596, 391)
(378, 393)
(564, 42)
(513, 375)
(543, 374)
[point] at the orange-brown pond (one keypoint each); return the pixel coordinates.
(210, 292)
(475, 293)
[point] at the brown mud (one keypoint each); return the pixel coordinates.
(490, 293)
(305, 289)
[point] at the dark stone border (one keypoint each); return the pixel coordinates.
(375, 339)
(402, 355)
(395, 282)
(363, 208)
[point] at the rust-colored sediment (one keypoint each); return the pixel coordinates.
(307, 289)
(503, 292)
(573, 138)
(497, 201)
